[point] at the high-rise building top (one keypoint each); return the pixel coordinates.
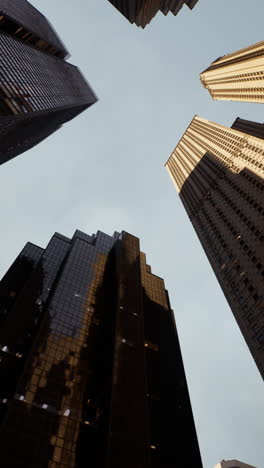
(238, 76)
(218, 172)
(233, 464)
(251, 128)
(25, 22)
(142, 12)
(90, 362)
(39, 90)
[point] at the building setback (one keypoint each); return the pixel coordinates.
(218, 172)
(238, 76)
(39, 90)
(251, 128)
(233, 464)
(91, 371)
(142, 12)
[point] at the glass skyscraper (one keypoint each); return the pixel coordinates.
(218, 172)
(91, 372)
(39, 90)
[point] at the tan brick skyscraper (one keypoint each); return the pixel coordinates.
(238, 76)
(218, 172)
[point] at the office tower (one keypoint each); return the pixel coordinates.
(141, 12)
(238, 76)
(218, 172)
(233, 464)
(39, 90)
(91, 371)
(251, 128)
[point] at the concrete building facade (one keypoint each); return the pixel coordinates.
(238, 76)
(218, 173)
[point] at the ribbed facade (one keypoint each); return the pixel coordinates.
(238, 76)
(142, 12)
(32, 23)
(218, 172)
(39, 91)
(91, 372)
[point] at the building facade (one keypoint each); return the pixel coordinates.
(255, 129)
(238, 76)
(91, 372)
(218, 173)
(233, 464)
(141, 12)
(39, 90)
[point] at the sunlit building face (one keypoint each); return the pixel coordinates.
(218, 173)
(238, 76)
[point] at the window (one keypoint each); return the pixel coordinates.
(152, 346)
(13, 100)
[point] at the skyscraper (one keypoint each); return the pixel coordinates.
(251, 128)
(233, 464)
(218, 172)
(91, 371)
(238, 76)
(39, 90)
(142, 12)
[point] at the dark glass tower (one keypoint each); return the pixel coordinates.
(39, 90)
(251, 128)
(141, 12)
(91, 370)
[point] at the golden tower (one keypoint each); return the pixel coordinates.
(238, 76)
(218, 172)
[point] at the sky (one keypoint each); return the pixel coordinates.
(105, 170)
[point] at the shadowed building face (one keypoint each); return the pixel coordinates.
(218, 173)
(251, 128)
(238, 76)
(141, 12)
(90, 364)
(39, 90)
(25, 22)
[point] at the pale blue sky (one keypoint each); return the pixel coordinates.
(105, 170)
